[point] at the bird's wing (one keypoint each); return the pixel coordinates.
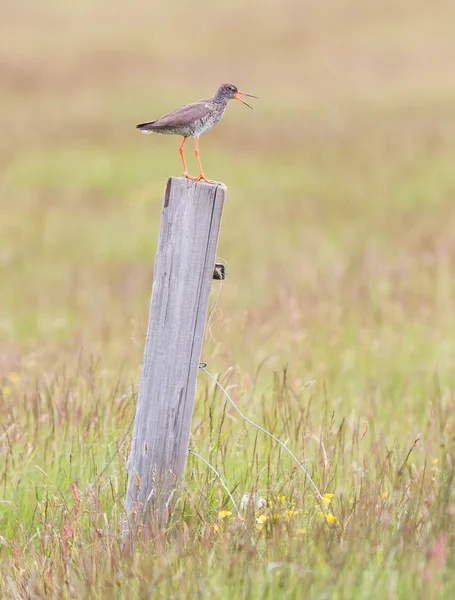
(184, 115)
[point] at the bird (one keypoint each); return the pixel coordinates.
(192, 120)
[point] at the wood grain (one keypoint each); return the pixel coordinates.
(184, 264)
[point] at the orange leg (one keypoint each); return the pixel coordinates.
(201, 172)
(182, 156)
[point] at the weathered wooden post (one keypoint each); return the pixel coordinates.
(184, 267)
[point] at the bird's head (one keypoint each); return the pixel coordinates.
(228, 91)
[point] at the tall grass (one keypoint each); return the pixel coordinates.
(62, 525)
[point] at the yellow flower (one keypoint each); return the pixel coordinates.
(435, 461)
(224, 513)
(6, 391)
(329, 517)
(260, 527)
(328, 496)
(385, 494)
(281, 498)
(291, 513)
(262, 519)
(326, 500)
(216, 528)
(13, 377)
(301, 531)
(276, 516)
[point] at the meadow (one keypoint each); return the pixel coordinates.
(334, 329)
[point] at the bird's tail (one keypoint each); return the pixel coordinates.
(146, 127)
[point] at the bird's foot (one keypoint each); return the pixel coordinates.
(190, 177)
(203, 178)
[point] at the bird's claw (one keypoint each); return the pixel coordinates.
(202, 178)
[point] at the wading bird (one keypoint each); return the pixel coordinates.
(194, 119)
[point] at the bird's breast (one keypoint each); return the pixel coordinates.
(208, 121)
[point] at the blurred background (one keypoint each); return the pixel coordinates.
(334, 329)
(338, 233)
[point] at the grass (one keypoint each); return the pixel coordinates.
(334, 328)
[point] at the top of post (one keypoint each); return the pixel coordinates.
(190, 182)
(185, 186)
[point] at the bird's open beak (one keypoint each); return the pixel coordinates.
(236, 96)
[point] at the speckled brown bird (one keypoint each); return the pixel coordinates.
(192, 120)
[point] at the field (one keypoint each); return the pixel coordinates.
(335, 327)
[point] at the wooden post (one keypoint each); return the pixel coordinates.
(184, 268)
